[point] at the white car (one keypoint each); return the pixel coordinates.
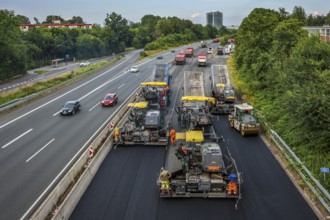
(210, 50)
(134, 69)
(84, 64)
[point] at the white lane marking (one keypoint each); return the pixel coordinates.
(99, 87)
(60, 96)
(94, 106)
(40, 150)
(6, 145)
(71, 161)
(121, 86)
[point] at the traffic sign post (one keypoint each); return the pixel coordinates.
(324, 170)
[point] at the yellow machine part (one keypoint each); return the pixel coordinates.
(220, 85)
(180, 136)
(138, 104)
(194, 136)
(156, 84)
(197, 98)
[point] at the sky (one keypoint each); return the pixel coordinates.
(95, 11)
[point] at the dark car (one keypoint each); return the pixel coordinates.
(70, 108)
(110, 99)
(160, 56)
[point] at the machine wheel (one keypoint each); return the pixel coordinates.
(231, 123)
(242, 132)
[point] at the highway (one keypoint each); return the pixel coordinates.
(37, 144)
(125, 185)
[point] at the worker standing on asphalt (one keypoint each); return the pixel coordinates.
(117, 133)
(232, 185)
(164, 178)
(172, 134)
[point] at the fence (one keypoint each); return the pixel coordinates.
(319, 191)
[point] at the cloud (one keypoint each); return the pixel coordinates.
(195, 15)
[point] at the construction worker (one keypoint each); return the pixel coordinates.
(164, 178)
(117, 134)
(172, 134)
(232, 185)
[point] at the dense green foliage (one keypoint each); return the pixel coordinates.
(286, 75)
(20, 51)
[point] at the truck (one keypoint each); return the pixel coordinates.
(243, 121)
(216, 40)
(146, 122)
(180, 59)
(221, 90)
(199, 166)
(190, 52)
(201, 59)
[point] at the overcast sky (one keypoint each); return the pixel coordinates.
(95, 11)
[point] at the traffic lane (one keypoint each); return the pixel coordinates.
(38, 181)
(268, 193)
(124, 186)
(34, 112)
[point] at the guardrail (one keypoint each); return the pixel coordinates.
(319, 190)
(64, 197)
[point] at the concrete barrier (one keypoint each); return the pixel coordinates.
(64, 197)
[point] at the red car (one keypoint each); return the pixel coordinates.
(110, 99)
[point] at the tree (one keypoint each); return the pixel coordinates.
(116, 32)
(285, 37)
(299, 14)
(36, 20)
(327, 19)
(89, 46)
(50, 19)
(75, 20)
(23, 19)
(254, 40)
(12, 47)
(283, 13)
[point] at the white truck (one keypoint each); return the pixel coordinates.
(201, 59)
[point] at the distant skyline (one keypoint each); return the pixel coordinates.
(95, 11)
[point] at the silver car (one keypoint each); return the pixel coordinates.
(134, 69)
(84, 64)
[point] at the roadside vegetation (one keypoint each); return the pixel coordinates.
(285, 74)
(37, 47)
(53, 83)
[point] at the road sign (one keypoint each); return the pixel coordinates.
(324, 170)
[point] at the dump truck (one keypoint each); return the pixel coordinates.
(201, 59)
(180, 59)
(222, 91)
(243, 121)
(190, 52)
